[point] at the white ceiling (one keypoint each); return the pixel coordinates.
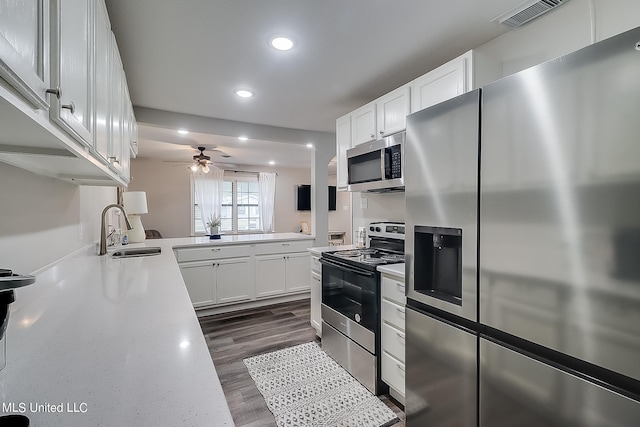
(189, 56)
(167, 145)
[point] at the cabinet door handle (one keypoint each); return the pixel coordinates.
(400, 335)
(113, 160)
(71, 107)
(400, 311)
(400, 287)
(286, 244)
(373, 135)
(55, 91)
(402, 368)
(215, 250)
(381, 132)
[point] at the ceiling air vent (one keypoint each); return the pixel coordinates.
(527, 11)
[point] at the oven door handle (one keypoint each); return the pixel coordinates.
(349, 268)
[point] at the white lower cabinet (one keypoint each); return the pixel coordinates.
(217, 282)
(297, 272)
(270, 275)
(282, 273)
(198, 277)
(232, 274)
(393, 335)
(316, 294)
(232, 279)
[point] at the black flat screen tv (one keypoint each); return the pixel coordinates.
(332, 197)
(303, 199)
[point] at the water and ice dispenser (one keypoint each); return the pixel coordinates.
(438, 263)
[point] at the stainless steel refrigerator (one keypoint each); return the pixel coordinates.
(523, 247)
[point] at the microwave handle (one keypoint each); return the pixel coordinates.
(346, 267)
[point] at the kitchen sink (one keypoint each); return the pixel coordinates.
(136, 252)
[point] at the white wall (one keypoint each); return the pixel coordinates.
(380, 207)
(168, 200)
(44, 219)
(561, 31)
(340, 219)
(168, 196)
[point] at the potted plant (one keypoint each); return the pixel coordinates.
(213, 223)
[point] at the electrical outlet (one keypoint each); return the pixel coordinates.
(80, 231)
(345, 208)
(364, 203)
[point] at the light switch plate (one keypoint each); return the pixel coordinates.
(364, 203)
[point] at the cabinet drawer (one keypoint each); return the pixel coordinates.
(393, 341)
(283, 247)
(212, 252)
(393, 314)
(315, 264)
(393, 289)
(393, 372)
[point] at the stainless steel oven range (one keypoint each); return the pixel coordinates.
(351, 302)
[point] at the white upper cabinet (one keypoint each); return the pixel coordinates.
(117, 108)
(134, 135)
(445, 82)
(392, 111)
(71, 68)
(343, 141)
(102, 86)
(467, 72)
(58, 55)
(24, 48)
(363, 124)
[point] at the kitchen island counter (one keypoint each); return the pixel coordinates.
(235, 239)
(111, 342)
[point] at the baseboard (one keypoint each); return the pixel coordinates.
(202, 312)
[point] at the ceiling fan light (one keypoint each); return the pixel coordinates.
(194, 168)
(205, 169)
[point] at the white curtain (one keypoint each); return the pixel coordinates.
(267, 186)
(208, 189)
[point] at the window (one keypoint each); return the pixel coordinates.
(240, 211)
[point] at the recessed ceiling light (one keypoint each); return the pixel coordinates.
(309, 145)
(183, 131)
(243, 138)
(271, 162)
(281, 43)
(244, 93)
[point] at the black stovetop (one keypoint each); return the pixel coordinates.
(369, 258)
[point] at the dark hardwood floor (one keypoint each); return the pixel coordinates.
(232, 337)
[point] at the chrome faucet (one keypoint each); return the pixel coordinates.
(103, 232)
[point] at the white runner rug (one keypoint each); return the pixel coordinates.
(303, 386)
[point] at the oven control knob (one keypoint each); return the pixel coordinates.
(378, 229)
(358, 318)
(372, 229)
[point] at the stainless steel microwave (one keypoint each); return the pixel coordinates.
(377, 166)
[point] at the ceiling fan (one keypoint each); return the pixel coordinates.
(202, 161)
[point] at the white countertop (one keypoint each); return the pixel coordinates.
(117, 338)
(392, 269)
(235, 239)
